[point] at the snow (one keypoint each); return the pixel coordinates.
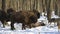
(53, 15)
(42, 17)
(18, 26)
(36, 30)
(45, 29)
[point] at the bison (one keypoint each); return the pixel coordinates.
(3, 17)
(26, 17)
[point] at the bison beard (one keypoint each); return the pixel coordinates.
(25, 17)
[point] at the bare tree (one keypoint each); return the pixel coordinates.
(56, 8)
(43, 6)
(3, 5)
(48, 9)
(34, 5)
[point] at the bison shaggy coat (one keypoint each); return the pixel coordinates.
(26, 17)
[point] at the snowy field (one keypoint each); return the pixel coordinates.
(37, 30)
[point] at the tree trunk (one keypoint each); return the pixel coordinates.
(48, 9)
(56, 8)
(3, 5)
(43, 6)
(34, 5)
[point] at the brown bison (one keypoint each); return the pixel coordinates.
(26, 17)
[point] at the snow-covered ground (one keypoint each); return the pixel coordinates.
(37, 30)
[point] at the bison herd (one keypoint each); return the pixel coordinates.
(26, 17)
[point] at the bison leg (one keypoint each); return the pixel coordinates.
(29, 25)
(23, 26)
(12, 26)
(3, 22)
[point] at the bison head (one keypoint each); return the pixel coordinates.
(10, 11)
(37, 13)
